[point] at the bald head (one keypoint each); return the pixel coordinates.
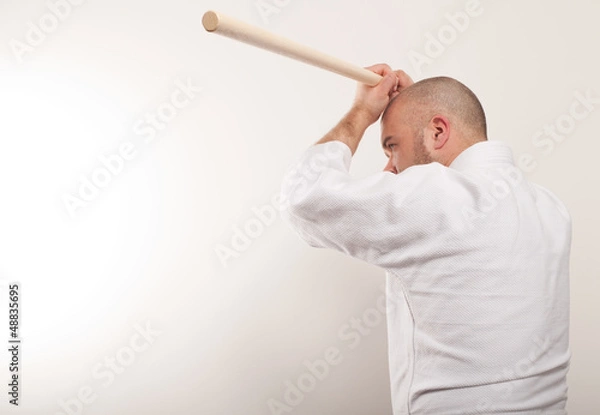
(446, 96)
(433, 120)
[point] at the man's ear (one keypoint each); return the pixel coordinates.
(441, 131)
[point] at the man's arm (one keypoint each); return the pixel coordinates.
(350, 129)
(367, 107)
(364, 218)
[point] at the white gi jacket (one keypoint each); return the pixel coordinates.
(477, 273)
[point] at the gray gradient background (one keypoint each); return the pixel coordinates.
(144, 249)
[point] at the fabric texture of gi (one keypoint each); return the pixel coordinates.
(476, 260)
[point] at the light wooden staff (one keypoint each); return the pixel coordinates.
(228, 26)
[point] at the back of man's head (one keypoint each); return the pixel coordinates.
(447, 96)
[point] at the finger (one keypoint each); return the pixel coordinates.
(403, 79)
(381, 69)
(388, 83)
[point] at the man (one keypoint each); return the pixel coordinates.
(476, 257)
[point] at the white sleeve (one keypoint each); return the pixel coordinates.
(369, 218)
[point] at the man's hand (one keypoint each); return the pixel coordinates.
(368, 105)
(372, 100)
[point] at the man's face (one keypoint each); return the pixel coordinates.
(402, 143)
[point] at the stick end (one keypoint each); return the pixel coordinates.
(210, 21)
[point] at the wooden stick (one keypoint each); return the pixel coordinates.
(228, 26)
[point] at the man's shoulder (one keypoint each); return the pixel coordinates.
(549, 197)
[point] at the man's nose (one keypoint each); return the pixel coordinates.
(390, 167)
